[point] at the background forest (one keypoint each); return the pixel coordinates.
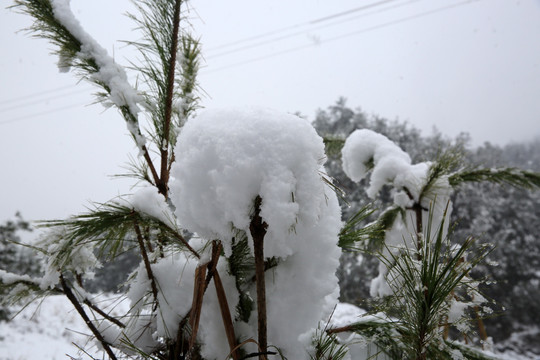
(507, 217)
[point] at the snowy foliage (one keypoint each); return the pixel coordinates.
(226, 159)
(238, 225)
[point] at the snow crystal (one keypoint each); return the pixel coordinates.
(225, 159)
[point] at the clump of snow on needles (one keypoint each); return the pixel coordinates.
(225, 159)
(110, 73)
(366, 151)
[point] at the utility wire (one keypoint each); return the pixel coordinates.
(260, 58)
(33, 95)
(301, 32)
(307, 23)
(34, 102)
(354, 33)
(26, 117)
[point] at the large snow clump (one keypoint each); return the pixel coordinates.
(224, 160)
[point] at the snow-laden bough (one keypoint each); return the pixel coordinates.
(225, 159)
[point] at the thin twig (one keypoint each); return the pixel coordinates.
(73, 299)
(196, 307)
(78, 278)
(226, 315)
(184, 242)
(104, 314)
(146, 261)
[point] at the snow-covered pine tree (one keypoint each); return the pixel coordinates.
(257, 277)
(14, 257)
(423, 275)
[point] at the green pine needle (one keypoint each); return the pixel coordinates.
(333, 145)
(509, 176)
(110, 227)
(357, 237)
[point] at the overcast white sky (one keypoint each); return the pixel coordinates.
(470, 66)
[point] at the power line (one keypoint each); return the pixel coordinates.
(260, 58)
(33, 95)
(34, 102)
(307, 23)
(354, 33)
(290, 35)
(26, 117)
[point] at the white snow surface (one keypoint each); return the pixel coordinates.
(365, 148)
(47, 330)
(147, 200)
(225, 159)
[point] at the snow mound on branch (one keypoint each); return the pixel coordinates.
(225, 159)
(366, 150)
(174, 275)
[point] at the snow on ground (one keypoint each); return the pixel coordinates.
(47, 330)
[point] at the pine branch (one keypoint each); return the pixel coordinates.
(355, 237)
(258, 230)
(169, 97)
(73, 299)
(226, 316)
(169, 72)
(196, 306)
(510, 176)
(446, 162)
(109, 226)
(382, 332)
(146, 260)
(112, 319)
(15, 287)
(79, 50)
(422, 285)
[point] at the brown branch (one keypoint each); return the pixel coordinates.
(73, 299)
(257, 229)
(199, 289)
(348, 328)
(196, 307)
(146, 261)
(183, 241)
(104, 314)
(417, 208)
(226, 316)
(152, 168)
(78, 278)
(168, 99)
